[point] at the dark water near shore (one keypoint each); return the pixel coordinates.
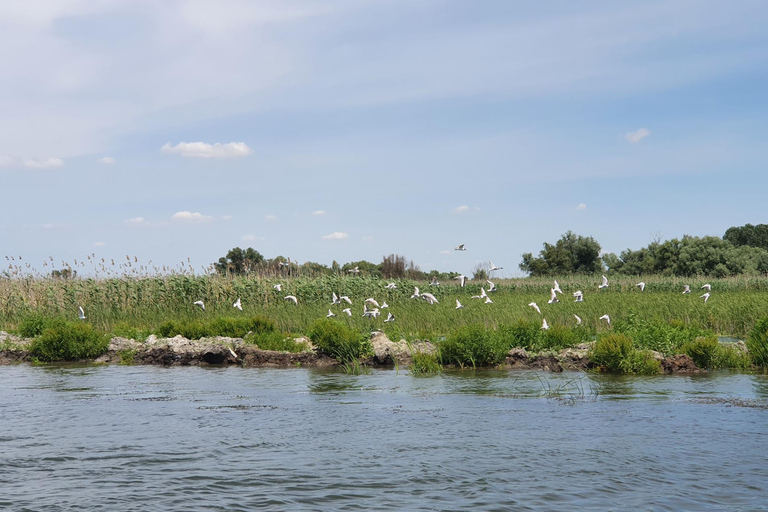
(120, 438)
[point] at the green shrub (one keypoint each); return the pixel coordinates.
(610, 350)
(703, 351)
(124, 330)
(757, 343)
(558, 337)
(731, 355)
(663, 337)
(274, 340)
(473, 345)
(640, 362)
(34, 325)
(520, 335)
(339, 341)
(69, 341)
(424, 363)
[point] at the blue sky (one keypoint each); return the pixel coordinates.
(366, 127)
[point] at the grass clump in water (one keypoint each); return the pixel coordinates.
(617, 354)
(69, 341)
(424, 363)
(340, 341)
(757, 343)
(703, 351)
(473, 345)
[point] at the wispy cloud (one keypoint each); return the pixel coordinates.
(136, 221)
(226, 217)
(336, 235)
(99, 244)
(367, 238)
(637, 136)
(252, 238)
(461, 209)
(271, 217)
(107, 160)
(319, 213)
(48, 163)
(190, 217)
(205, 150)
(581, 207)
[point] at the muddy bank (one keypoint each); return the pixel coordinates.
(180, 351)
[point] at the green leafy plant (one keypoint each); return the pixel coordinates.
(339, 341)
(69, 341)
(757, 343)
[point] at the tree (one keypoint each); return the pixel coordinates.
(570, 255)
(753, 236)
(239, 261)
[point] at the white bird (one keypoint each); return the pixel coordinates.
(544, 324)
(605, 283)
(488, 300)
(553, 297)
(284, 264)
(370, 312)
(459, 247)
(494, 267)
(482, 295)
(578, 320)
(579, 296)
(686, 289)
(291, 298)
(278, 287)
(459, 305)
(335, 299)
(354, 270)
(81, 314)
(429, 298)
(347, 311)
(707, 287)
(391, 286)
(535, 306)
(345, 299)
(606, 318)
(462, 279)
(390, 318)
(384, 305)
(372, 301)
(557, 287)
(199, 303)
(416, 293)
(232, 352)
(434, 282)
(493, 286)
(330, 314)
(705, 297)
(238, 304)
(641, 285)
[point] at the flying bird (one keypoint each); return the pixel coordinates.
(686, 289)
(488, 300)
(335, 299)
(370, 312)
(578, 320)
(199, 303)
(416, 293)
(605, 283)
(354, 270)
(493, 286)
(494, 267)
(384, 305)
(372, 301)
(482, 294)
(347, 311)
(553, 297)
(390, 318)
(330, 314)
(391, 286)
(81, 314)
(459, 247)
(544, 324)
(291, 298)
(459, 305)
(434, 282)
(557, 287)
(641, 285)
(429, 298)
(462, 279)
(579, 296)
(284, 264)
(232, 352)
(278, 287)
(707, 287)
(535, 306)
(237, 304)
(705, 297)
(345, 299)
(606, 318)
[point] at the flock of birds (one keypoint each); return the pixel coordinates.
(375, 312)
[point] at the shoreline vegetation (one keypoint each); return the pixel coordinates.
(154, 320)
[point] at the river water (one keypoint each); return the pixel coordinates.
(125, 438)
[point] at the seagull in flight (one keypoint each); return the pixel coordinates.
(372, 301)
(553, 297)
(347, 311)
(686, 289)
(459, 247)
(606, 318)
(284, 264)
(390, 318)
(330, 314)
(535, 306)
(232, 352)
(335, 299)
(81, 313)
(494, 267)
(370, 312)
(291, 298)
(544, 324)
(434, 282)
(391, 286)
(579, 296)
(416, 293)
(237, 304)
(278, 287)
(482, 295)
(462, 279)
(493, 286)
(604, 285)
(459, 305)
(384, 305)
(488, 300)
(578, 320)
(705, 297)
(345, 299)
(557, 287)
(429, 298)
(641, 285)
(707, 287)
(199, 303)
(354, 270)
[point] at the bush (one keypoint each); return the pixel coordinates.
(474, 345)
(663, 337)
(731, 355)
(521, 335)
(69, 341)
(640, 362)
(610, 350)
(703, 351)
(34, 325)
(558, 337)
(757, 342)
(339, 341)
(423, 363)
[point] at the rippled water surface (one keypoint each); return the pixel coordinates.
(187, 439)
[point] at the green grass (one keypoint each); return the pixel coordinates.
(68, 341)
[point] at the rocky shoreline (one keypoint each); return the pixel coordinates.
(180, 351)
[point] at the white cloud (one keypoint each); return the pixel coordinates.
(336, 235)
(99, 244)
(248, 238)
(367, 239)
(319, 213)
(637, 136)
(461, 209)
(205, 150)
(270, 217)
(186, 216)
(5, 160)
(226, 217)
(136, 220)
(581, 206)
(48, 163)
(107, 160)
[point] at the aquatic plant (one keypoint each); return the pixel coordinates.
(473, 345)
(757, 343)
(702, 350)
(340, 341)
(68, 341)
(424, 363)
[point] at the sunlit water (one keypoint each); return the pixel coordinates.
(122, 438)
